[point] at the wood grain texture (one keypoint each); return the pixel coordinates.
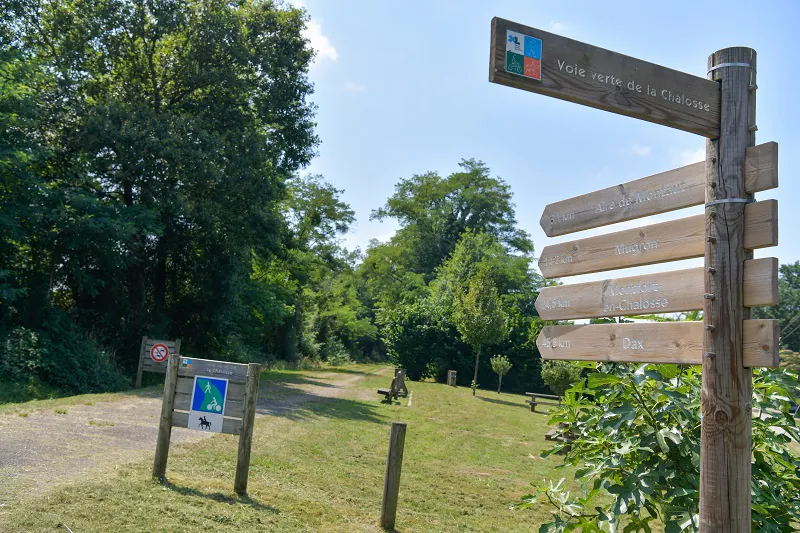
(660, 193)
(726, 428)
(231, 426)
(166, 421)
(666, 342)
(660, 292)
(391, 482)
(451, 378)
(246, 435)
(139, 370)
(657, 243)
(233, 372)
(613, 92)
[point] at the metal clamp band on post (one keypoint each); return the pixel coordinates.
(731, 201)
(715, 67)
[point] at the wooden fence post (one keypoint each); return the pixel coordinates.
(391, 482)
(141, 363)
(246, 434)
(725, 452)
(165, 423)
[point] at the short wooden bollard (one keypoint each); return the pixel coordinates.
(451, 378)
(391, 483)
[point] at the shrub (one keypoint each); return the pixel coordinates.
(20, 357)
(75, 362)
(335, 353)
(635, 434)
(560, 375)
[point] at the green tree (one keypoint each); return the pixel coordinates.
(150, 144)
(788, 308)
(479, 317)
(434, 212)
(517, 286)
(501, 365)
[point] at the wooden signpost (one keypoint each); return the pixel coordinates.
(683, 238)
(662, 292)
(534, 60)
(213, 396)
(648, 342)
(727, 343)
(667, 191)
(148, 363)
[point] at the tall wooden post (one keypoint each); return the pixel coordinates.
(725, 454)
(391, 481)
(165, 423)
(246, 435)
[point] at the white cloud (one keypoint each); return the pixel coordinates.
(558, 27)
(355, 87)
(687, 157)
(641, 151)
(320, 42)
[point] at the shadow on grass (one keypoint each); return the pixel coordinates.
(503, 402)
(302, 396)
(222, 498)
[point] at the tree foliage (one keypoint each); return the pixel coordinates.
(788, 308)
(500, 365)
(560, 375)
(148, 186)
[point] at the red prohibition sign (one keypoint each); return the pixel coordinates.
(159, 353)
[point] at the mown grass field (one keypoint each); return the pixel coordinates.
(319, 466)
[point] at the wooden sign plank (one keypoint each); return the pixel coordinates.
(666, 342)
(662, 292)
(667, 241)
(534, 60)
(660, 193)
(232, 426)
(191, 366)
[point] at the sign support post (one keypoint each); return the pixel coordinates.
(246, 436)
(165, 422)
(725, 449)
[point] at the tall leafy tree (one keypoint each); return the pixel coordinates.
(479, 317)
(788, 308)
(168, 130)
(433, 213)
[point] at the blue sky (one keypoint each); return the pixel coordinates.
(402, 88)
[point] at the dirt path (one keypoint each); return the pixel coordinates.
(56, 446)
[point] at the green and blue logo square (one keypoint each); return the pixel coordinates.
(523, 55)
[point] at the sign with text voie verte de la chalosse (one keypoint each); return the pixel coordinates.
(208, 404)
(534, 60)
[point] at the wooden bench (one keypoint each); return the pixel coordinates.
(536, 399)
(398, 387)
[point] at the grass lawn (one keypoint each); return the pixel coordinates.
(320, 466)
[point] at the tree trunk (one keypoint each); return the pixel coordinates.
(499, 383)
(475, 376)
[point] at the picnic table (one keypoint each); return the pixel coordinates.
(538, 398)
